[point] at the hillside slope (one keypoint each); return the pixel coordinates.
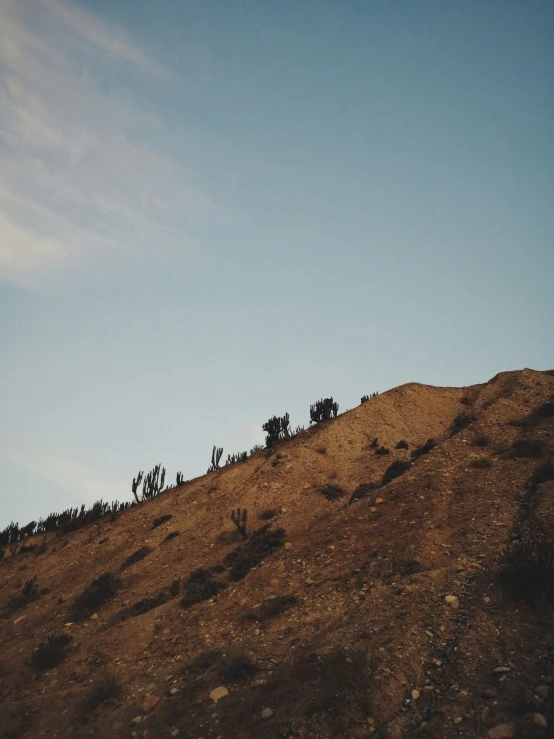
(335, 624)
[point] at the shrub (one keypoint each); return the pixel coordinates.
(106, 688)
(171, 535)
(424, 448)
(322, 450)
(526, 449)
(162, 519)
(259, 545)
(201, 586)
(332, 492)
(95, 595)
(527, 568)
(238, 669)
(268, 514)
(323, 409)
(239, 457)
(481, 464)
(135, 557)
(272, 607)
(394, 470)
(461, 422)
(402, 444)
(481, 440)
(202, 662)
(362, 491)
(51, 652)
(29, 593)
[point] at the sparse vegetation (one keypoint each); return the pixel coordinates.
(152, 485)
(51, 652)
(481, 440)
(481, 464)
(135, 557)
(259, 545)
(332, 492)
(95, 595)
(216, 458)
(365, 398)
(239, 519)
(322, 450)
(201, 586)
(161, 520)
(268, 514)
(238, 669)
(362, 491)
(461, 422)
(394, 470)
(240, 457)
(527, 568)
(424, 448)
(29, 593)
(106, 688)
(323, 410)
(402, 444)
(526, 449)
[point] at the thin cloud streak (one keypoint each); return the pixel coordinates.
(78, 174)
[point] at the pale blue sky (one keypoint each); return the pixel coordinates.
(214, 212)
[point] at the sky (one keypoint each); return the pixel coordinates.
(215, 211)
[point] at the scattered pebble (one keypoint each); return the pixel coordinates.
(150, 702)
(218, 693)
(415, 694)
(502, 731)
(452, 601)
(149, 688)
(174, 732)
(267, 713)
(540, 720)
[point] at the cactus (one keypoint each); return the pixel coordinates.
(323, 409)
(277, 429)
(239, 457)
(364, 399)
(239, 519)
(216, 457)
(153, 482)
(179, 480)
(136, 483)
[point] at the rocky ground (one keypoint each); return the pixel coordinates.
(372, 611)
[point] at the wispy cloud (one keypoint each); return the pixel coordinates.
(78, 171)
(86, 485)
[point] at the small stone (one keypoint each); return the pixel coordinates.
(267, 713)
(371, 721)
(218, 693)
(149, 703)
(452, 601)
(174, 732)
(149, 688)
(137, 720)
(288, 545)
(173, 691)
(502, 731)
(19, 620)
(489, 693)
(94, 617)
(501, 670)
(415, 694)
(282, 509)
(378, 501)
(540, 720)
(458, 719)
(543, 691)
(68, 624)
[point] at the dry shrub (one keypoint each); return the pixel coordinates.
(238, 669)
(362, 491)
(461, 422)
(480, 440)
(106, 688)
(332, 492)
(259, 545)
(95, 595)
(51, 652)
(268, 514)
(137, 556)
(424, 449)
(394, 470)
(402, 444)
(201, 586)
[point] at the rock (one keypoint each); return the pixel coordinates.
(19, 620)
(218, 693)
(267, 713)
(174, 732)
(415, 694)
(68, 624)
(543, 691)
(137, 720)
(282, 509)
(150, 702)
(501, 670)
(288, 545)
(378, 501)
(173, 691)
(94, 617)
(452, 601)
(149, 688)
(502, 731)
(489, 693)
(540, 720)
(371, 721)
(458, 719)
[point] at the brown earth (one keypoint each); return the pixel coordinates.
(368, 623)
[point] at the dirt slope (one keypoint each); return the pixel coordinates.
(366, 621)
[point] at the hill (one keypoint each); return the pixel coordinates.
(356, 604)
